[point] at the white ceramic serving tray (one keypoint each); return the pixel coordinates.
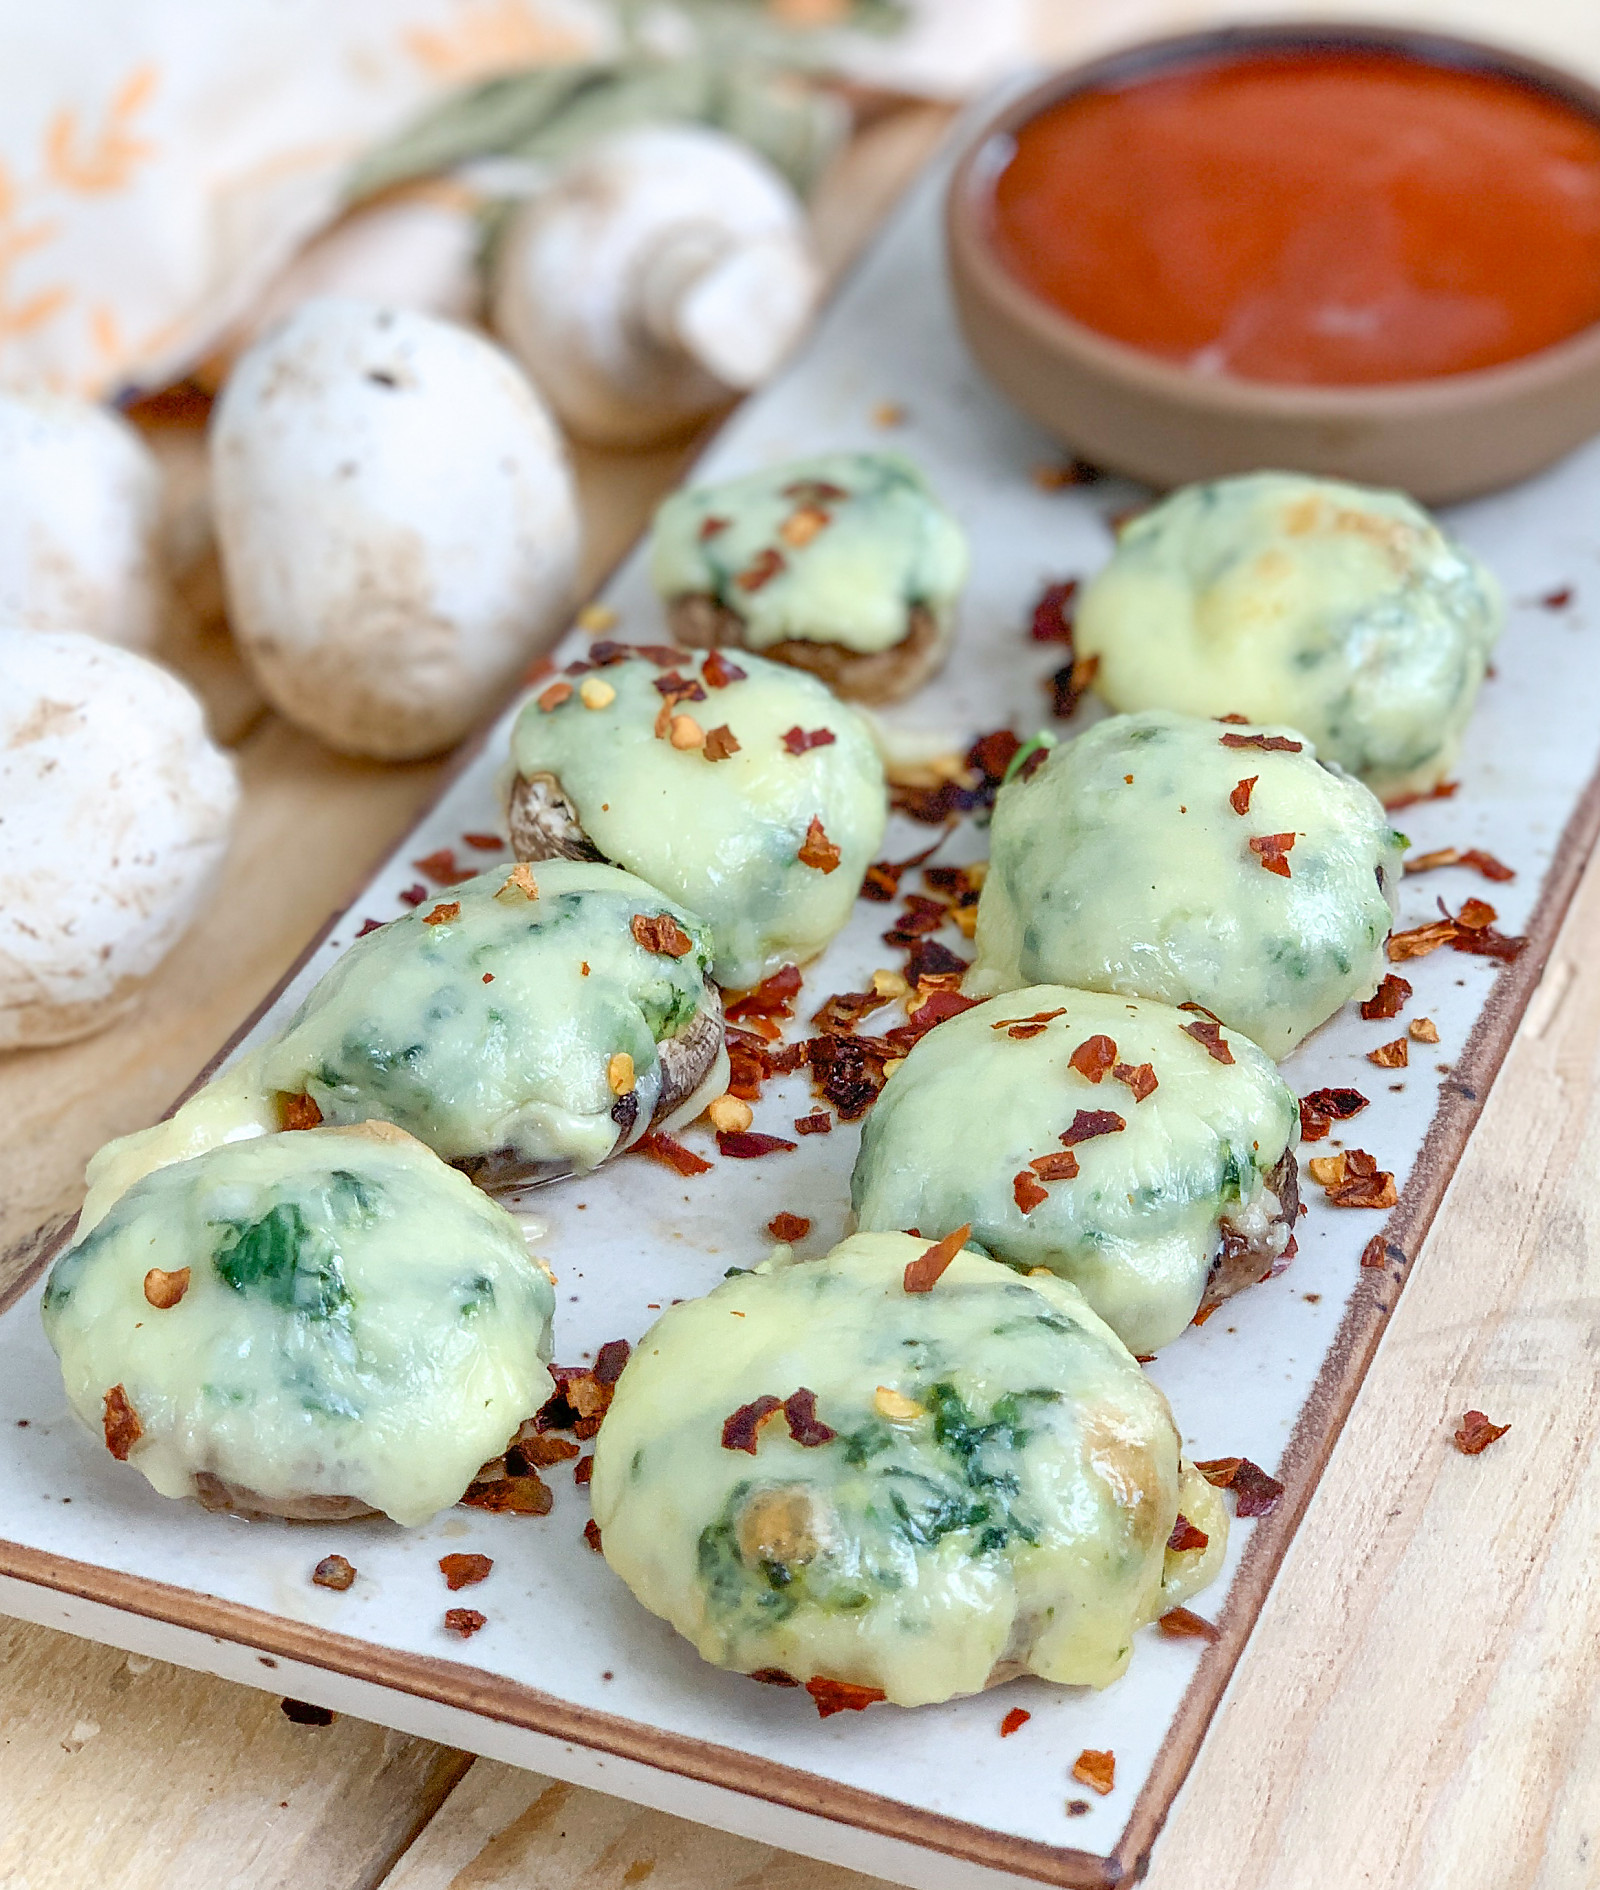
(571, 1676)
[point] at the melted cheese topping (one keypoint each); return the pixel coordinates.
(1138, 1226)
(359, 1321)
(833, 549)
(1339, 610)
(1121, 865)
(996, 1495)
(724, 837)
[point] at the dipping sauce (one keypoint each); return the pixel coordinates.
(1327, 215)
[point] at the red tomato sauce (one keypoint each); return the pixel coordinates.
(1320, 216)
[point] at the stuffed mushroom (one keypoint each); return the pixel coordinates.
(1203, 863)
(1136, 1150)
(845, 565)
(1340, 610)
(313, 1326)
(864, 1471)
(745, 790)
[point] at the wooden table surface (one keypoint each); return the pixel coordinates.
(1417, 1706)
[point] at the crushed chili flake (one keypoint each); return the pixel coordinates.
(1394, 1055)
(841, 1696)
(1255, 1493)
(719, 672)
(1185, 1536)
(1097, 1770)
(1030, 1026)
(413, 895)
(1269, 744)
(1475, 857)
(761, 570)
(1208, 1034)
(1185, 1624)
(1093, 1057)
(720, 744)
(610, 1359)
(1087, 1124)
(921, 916)
(591, 1535)
(163, 1290)
(1476, 1433)
(748, 1145)
(1014, 1721)
(740, 1428)
(929, 959)
(1557, 599)
(1070, 684)
(1026, 1191)
(805, 1427)
(710, 526)
(819, 1123)
(1375, 1252)
(1424, 1030)
(786, 1226)
(1388, 1000)
(848, 1072)
(1419, 940)
(671, 1154)
(517, 1496)
(797, 740)
(442, 867)
(1324, 1106)
(444, 913)
(464, 1621)
(122, 1427)
(773, 1677)
(987, 759)
(1273, 850)
(817, 850)
(675, 688)
(771, 998)
(1060, 1166)
(1363, 1190)
(369, 925)
(334, 1572)
(1139, 1077)
(555, 695)
(663, 655)
(1476, 914)
(583, 1470)
(1052, 619)
(1239, 799)
(923, 1273)
(533, 1451)
(1073, 472)
(464, 1571)
(660, 933)
(1486, 942)
(485, 842)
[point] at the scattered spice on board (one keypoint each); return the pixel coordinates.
(1476, 1433)
(1395, 1055)
(1184, 1624)
(526, 1495)
(841, 1696)
(785, 1226)
(1388, 1000)
(591, 1535)
(819, 1122)
(1097, 1770)
(442, 867)
(1475, 857)
(671, 1154)
(1053, 614)
(1255, 1493)
(464, 1571)
(1323, 1107)
(1424, 1030)
(748, 1145)
(1374, 1253)
(1014, 1721)
(413, 895)
(334, 1572)
(464, 1621)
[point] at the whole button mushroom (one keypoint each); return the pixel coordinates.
(115, 809)
(397, 523)
(80, 499)
(662, 272)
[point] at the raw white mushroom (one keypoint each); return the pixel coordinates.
(114, 815)
(80, 498)
(659, 274)
(397, 523)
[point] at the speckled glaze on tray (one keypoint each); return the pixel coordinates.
(569, 1675)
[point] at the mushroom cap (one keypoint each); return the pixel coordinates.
(115, 809)
(80, 499)
(397, 522)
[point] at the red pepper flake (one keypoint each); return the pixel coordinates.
(675, 689)
(164, 1290)
(296, 1110)
(583, 1470)
(334, 1572)
(1014, 1721)
(739, 1430)
(711, 526)
(928, 959)
(1074, 472)
(591, 1535)
(1273, 850)
(442, 868)
(1026, 1192)
(1420, 940)
(610, 1360)
(485, 842)
(1053, 614)
(849, 1072)
(1061, 1166)
(797, 740)
(464, 1571)
(1239, 799)
(1139, 1077)
(1097, 1770)
(1388, 1000)
(1269, 744)
(773, 1677)
(923, 1273)
(1395, 1055)
(820, 1123)
(786, 1226)
(516, 1496)
(1069, 685)
(464, 1621)
(761, 570)
(720, 744)
(1476, 1434)
(1325, 1106)
(815, 492)
(661, 934)
(845, 1009)
(818, 850)
(538, 1452)
(805, 1427)
(1184, 1624)
(719, 672)
(371, 925)
(671, 1154)
(122, 1427)
(1362, 1184)
(443, 913)
(1445, 791)
(1208, 1034)
(1475, 857)
(1557, 599)
(1039, 1019)
(1093, 1057)
(772, 998)
(413, 895)
(1185, 1537)
(840, 1696)
(1089, 1123)
(746, 1145)
(1255, 1493)
(1375, 1252)
(1485, 942)
(554, 696)
(1476, 915)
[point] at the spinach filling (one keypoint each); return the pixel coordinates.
(290, 1255)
